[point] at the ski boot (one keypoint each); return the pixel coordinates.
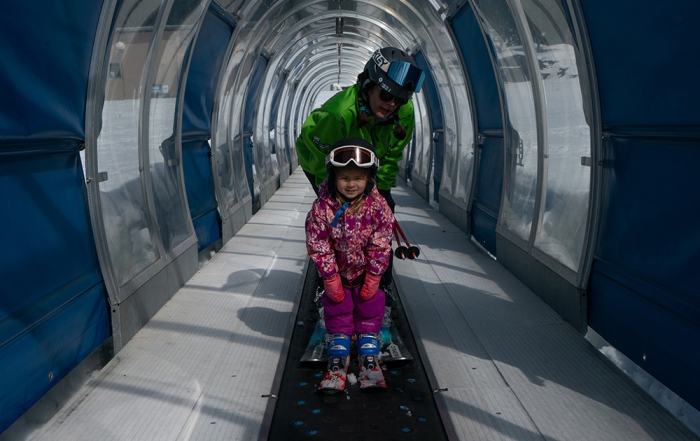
(338, 362)
(371, 375)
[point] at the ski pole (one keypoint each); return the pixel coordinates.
(400, 251)
(412, 251)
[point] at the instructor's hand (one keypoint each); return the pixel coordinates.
(370, 287)
(334, 288)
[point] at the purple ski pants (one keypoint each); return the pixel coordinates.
(354, 315)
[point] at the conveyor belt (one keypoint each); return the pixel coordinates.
(405, 410)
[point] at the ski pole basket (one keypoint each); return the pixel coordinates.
(402, 252)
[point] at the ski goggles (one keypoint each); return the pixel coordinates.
(361, 156)
(402, 73)
(386, 97)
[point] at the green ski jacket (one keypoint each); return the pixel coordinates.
(337, 119)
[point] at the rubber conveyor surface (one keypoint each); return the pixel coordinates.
(405, 410)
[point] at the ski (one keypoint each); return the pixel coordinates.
(372, 379)
(393, 348)
(338, 362)
(371, 375)
(335, 377)
(317, 349)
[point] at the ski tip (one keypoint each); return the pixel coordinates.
(374, 388)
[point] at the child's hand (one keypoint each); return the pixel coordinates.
(370, 287)
(334, 288)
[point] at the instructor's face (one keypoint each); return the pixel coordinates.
(379, 107)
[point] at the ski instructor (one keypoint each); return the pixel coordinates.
(378, 109)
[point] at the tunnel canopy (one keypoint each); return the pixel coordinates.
(139, 136)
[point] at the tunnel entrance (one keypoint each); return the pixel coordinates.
(405, 410)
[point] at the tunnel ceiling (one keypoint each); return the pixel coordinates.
(307, 38)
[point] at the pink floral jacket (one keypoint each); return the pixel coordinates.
(358, 242)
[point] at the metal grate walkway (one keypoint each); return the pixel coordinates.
(203, 368)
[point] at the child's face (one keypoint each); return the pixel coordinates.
(350, 181)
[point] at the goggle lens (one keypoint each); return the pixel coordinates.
(406, 75)
(386, 97)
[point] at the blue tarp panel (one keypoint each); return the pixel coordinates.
(654, 186)
(202, 81)
(196, 162)
(487, 197)
(44, 68)
(42, 199)
(481, 72)
(635, 318)
(643, 295)
(431, 96)
(203, 75)
(489, 186)
(646, 78)
(249, 161)
(276, 100)
(53, 309)
(207, 227)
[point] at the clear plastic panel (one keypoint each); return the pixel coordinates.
(422, 162)
(562, 228)
(450, 145)
(465, 157)
(240, 180)
(462, 142)
(122, 201)
(458, 133)
(286, 129)
(277, 151)
(227, 195)
(261, 145)
(520, 182)
(418, 153)
(165, 164)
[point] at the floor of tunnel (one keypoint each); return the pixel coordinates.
(405, 410)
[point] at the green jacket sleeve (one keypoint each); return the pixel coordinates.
(320, 130)
(389, 164)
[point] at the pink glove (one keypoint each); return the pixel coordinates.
(334, 288)
(370, 287)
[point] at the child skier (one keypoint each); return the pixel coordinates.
(348, 236)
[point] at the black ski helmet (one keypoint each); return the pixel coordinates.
(394, 71)
(349, 143)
